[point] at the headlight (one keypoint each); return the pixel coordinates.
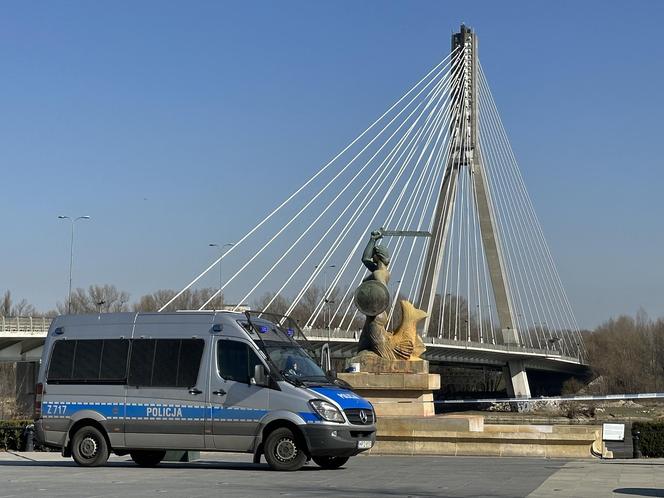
(326, 410)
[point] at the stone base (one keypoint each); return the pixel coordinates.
(396, 394)
(468, 435)
(372, 363)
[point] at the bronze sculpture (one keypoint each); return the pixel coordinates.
(372, 299)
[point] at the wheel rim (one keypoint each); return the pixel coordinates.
(285, 450)
(88, 447)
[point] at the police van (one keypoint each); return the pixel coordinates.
(144, 383)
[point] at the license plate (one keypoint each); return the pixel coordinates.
(364, 445)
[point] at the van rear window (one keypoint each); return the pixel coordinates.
(95, 361)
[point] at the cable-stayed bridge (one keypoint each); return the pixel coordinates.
(438, 162)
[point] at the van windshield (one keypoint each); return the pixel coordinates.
(282, 340)
(294, 362)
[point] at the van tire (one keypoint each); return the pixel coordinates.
(89, 447)
(283, 450)
(330, 462)
(146, 458)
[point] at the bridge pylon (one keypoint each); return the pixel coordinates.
(466, 159)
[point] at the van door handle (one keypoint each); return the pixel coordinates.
(195, 390)
(220, 392)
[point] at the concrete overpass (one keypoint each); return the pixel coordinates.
(22, 338)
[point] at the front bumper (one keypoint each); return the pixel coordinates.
(328, 440)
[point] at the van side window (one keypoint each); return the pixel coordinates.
(191, 352)
(165, 362)
(114, 358)
(236, 361)
(142, 360)
(89, 361)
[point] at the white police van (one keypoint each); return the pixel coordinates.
(144, 383)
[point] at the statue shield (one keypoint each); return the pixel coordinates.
(372, 297)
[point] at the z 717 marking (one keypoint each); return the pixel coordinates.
(56, 409)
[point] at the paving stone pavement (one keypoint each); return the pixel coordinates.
(605, 478)
(233, 475)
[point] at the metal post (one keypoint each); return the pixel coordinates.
(221, 256)
(29, 437)
(636, 445)
(327, 318)
(71, 265)
(71, 253)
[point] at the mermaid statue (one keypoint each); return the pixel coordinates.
(373, 299)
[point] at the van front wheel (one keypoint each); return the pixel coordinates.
(89, 447)
(328, 462)
(283, 451)
(147, 458)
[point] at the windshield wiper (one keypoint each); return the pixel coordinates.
(291, 378)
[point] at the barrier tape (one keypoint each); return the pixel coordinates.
(604, 397)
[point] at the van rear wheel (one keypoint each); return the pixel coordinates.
(330, 462)
(145, 458)
(283, 450)
(89, 447)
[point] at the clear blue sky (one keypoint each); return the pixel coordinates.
(176, 124)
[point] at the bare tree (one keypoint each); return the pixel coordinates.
(626, 353)
(279, 304)
(21, 308)
(451, 318)
(96, 299)
(6, 305)
(313, 303)
(189, 300)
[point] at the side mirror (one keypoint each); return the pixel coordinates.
(260, 376)
(332, 374)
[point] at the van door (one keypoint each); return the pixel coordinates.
(165, 404)
(237, 405)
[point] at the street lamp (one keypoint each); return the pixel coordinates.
(221, 253)
(327, 303)
(326, 300)
(71, 251)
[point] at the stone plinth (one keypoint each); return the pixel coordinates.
(469, 435)
(372, 363)
(396, 394)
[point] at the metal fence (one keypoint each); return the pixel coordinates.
(24, 325)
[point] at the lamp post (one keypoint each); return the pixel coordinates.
(71, 251)
(327, 303)
(221, 256)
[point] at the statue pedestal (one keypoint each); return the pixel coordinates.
(396, 388)
(396, 394)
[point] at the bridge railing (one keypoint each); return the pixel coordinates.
(24, 325)
(349, 335)
(38, 327)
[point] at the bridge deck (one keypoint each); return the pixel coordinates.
(343, 344)
(21, 340)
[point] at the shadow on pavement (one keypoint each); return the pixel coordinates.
(639, 491)
(201, 465)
